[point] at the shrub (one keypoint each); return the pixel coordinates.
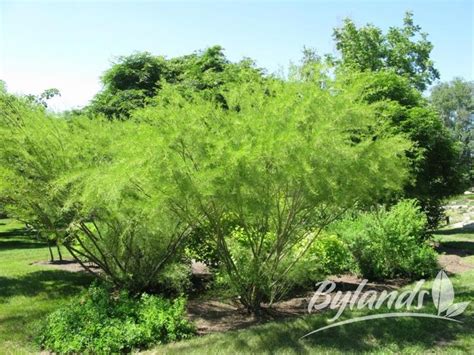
(281, 161)
(390, 243)
(75, 181)
(329, 255)
(104, 322)
(175, 278)
(201, 247)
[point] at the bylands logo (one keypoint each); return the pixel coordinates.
(442, 293)
(443, 297)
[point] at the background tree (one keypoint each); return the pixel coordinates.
(436, 167)
(400, 62)
(404, 50)
(454, 101)
(133, 80)
(42, 99)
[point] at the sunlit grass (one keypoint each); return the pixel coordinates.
(28, 292)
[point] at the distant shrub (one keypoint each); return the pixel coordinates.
(390, 243)
(100, 321)
(175, 278)
(329, 255)
(200, 247)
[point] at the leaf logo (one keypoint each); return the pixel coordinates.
(443, 296)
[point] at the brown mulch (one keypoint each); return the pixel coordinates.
(454, 264)
(65, 265)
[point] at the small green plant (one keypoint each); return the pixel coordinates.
(103, 321)
(390, 243)
(329, 255)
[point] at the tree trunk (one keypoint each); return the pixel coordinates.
(51, 256)
(59, 252)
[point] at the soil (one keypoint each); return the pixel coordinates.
(453, 264)
(66, 265)
(213, 316)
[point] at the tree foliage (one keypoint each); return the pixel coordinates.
(436, 167)
(270, 171)
(404, 50)
(455, 103)
(134, 79)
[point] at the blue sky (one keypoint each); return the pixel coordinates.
(68, 44)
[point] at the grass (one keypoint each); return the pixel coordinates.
(29, 292)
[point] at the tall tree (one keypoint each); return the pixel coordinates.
(454, 101)
(436, 166)
(404, 50)
(133, 80)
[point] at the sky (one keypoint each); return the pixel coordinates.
(69, 44)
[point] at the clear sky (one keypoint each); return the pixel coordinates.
(68, 44)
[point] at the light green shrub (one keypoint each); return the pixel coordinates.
(390, 243)
(281, 161)
(328, 255)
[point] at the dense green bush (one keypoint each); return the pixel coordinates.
(390, 243)
(103, 322)
(278, 164)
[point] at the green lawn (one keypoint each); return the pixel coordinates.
(29, 292)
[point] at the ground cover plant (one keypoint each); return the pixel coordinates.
(101, 321)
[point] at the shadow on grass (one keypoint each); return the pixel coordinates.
(454, 231)
(461, 248)
(20, 244)
(19, 239)
(16, 232)
(55, 283)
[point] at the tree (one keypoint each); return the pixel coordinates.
(400, 62)
(455, 103)
(134, 80)
(128, 83)
(404, 50)
(436, 167)
(42, 99)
